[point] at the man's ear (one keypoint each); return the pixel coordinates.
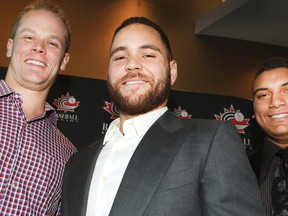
(65, 61)
(9, 47)
(173, 71)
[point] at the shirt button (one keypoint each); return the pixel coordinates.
(105, 178)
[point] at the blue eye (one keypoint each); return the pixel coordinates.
(53, 44)
(29, 38)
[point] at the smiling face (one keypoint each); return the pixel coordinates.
(140, 74)
(37, 51)
(270, 94)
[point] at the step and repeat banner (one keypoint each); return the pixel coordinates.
(85, 110)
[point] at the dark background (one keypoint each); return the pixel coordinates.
(88, 120)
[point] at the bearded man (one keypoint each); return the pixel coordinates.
(150, 162)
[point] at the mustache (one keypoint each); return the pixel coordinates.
(133, 75)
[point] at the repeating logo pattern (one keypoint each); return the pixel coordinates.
(234, 116)
(181, 113)
(66, 103)
(112, 109)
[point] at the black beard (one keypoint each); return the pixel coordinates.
(146, 102)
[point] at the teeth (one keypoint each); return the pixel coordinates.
(279, 116)
(34, 62)
(134, 82)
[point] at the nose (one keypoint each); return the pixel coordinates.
(39, 46)
(133, 64)
(277, 101)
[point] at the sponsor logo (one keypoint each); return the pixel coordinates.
(236, 117)
(68, 117)
(181, 113)
(67, 104)
(114, 112)
(112, 109)
(247, 144)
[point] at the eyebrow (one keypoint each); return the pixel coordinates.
(148, 46)
(27, 30)
(151, 47)
(121, 48)
(263, 89)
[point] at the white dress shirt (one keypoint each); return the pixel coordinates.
(114, 158)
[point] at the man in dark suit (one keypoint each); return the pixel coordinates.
(150, 162)
(270, 101)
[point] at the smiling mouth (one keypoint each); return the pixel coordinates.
(134, 82)
(35, 62)
(278, 116)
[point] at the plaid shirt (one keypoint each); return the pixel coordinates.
(32, 158)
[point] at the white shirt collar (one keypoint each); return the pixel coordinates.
(141, 124)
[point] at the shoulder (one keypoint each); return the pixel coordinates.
(201, 130)
(168, 119)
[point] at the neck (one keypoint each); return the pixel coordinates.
(33, 106)
(33, 101)
(279, 142)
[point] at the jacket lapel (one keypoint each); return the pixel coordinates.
(148, 165)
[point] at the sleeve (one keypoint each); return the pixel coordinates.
(228, 185)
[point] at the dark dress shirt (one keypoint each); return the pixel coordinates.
(264, 163)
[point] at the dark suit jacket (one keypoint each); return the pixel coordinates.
(180, 167)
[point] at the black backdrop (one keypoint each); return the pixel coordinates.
(85, 111)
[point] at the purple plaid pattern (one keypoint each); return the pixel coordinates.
(32, 158)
